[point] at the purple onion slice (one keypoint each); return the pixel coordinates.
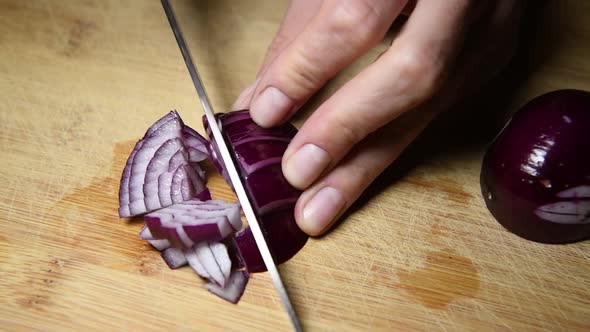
(234, 288)
(210, 261)
(174, 258)
(150, 170)
(187, 223)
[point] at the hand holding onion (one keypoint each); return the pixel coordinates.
(445, 51)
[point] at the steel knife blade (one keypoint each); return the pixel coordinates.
(231, 168)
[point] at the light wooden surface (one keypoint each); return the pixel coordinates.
(82, 80)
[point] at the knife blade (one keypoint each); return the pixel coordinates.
(231, 169)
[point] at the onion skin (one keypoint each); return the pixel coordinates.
(258, 152)
(536, 174)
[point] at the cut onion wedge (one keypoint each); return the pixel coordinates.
(233, 290)
(210, 260)
(209, 263)
(161, 170)
(174, 258)
(194, 262)
(163, 181)
(190, 222)
(159, 244)
(221, 255)
(196, 144)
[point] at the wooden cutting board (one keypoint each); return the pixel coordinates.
(82, 80)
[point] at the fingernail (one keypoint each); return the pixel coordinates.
(270, 107)
(305, 165)
(243, 100)
(321, 210)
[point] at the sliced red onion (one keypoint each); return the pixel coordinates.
(169, 116)
(221, 255)
(264, 138)
(145, 233)
(174, 258)
(169, 130)
(179, 159)
(210, 261)
(199, 170)
(160, 245)
(151, 167)
(286, 239)
(234, 289)
(196, 144)
(264, 200)
(260, 169)
(175, 189)
(124, 186)
(155, 168)
(239, 126)
(259, 154)
(164, 188)
(193, 260)
(236, 117)
(204, 195)
(215, 158)
(189, 222)
(195, 181)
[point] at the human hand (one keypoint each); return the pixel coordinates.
(445, 50)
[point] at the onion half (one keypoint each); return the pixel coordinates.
(535, 177)
(258, 152)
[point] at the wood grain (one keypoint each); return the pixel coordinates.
(82, 80)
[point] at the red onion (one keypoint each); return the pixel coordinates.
(190, 222)
(158, 172)
(174, 258)
(234, 289)
(258, 153)
(535, 176)
(163, 181)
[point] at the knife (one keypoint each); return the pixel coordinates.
(231, 169)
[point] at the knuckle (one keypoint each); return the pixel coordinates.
(278, 44)
(349, 132)
(303, 73)
(356, 22)
(419, 70)
(361, 177)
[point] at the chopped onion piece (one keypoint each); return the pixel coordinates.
(169, 130)
(157, 166)
(197, 144)
(234, 289)
(193, 221)
(193, 261)
(221, 255)
(160, 245)
(145, 233)
(209, 263)
(174, 258)
(159, 161)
